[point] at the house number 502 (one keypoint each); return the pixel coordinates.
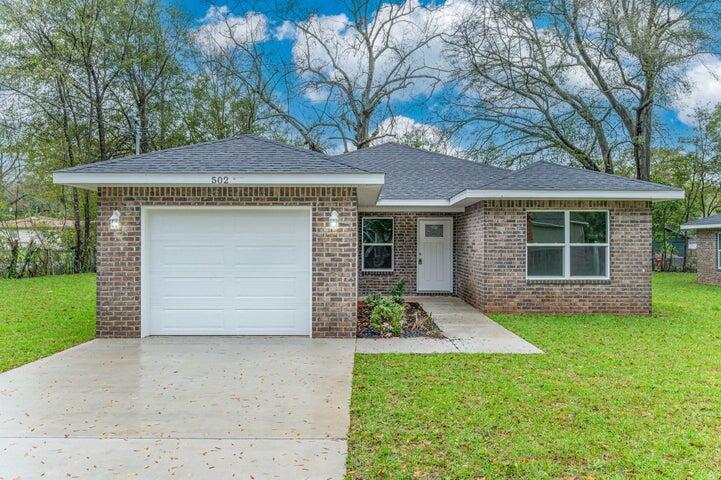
(218, 179)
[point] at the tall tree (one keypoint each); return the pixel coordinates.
(346, 69)
(579, 77)
(153, 71)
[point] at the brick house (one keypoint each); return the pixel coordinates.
(708, 250)
(246, 236)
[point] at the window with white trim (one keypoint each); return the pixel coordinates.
(377, 244)
(567, 244)
(718, 250)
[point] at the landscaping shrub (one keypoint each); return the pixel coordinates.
(388, 317)
(373, 299)
(398, 291)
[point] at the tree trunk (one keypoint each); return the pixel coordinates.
(99, 115)
(87, 253)
(143, 119)
(78, 250)
(642, 138)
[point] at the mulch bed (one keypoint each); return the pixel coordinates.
(418, 323)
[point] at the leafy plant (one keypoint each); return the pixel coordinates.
(388, 317)
(398, 291)
(373, 299)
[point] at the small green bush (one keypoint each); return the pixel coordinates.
(373, 299)
(388, 317)
(398, 291)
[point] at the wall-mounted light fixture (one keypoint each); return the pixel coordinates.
(334, 220)
(115, 220)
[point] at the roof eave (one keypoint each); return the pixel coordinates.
(468, 197)
(92, 181)
(709, 226)
(547, 194)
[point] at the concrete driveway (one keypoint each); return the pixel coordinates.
(184, 407)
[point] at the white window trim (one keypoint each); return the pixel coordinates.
(567, 246)
(718, 250)
(391, 244)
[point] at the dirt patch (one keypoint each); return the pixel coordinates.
(418, 323)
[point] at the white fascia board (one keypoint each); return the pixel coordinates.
(413, 202)
(383, 208)
(711, 226)
(92, 180)
(568, 195)
(467, 197)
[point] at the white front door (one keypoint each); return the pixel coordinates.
(435, 255)
(218, 271)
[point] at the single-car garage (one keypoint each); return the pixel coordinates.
(226, 271)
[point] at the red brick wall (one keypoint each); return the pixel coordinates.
(708, 271)
(491, 261)
(468, 254)
(405, 235)
(334, 251)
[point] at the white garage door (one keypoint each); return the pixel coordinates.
(227, 271)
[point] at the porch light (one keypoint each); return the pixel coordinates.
(334, 220)
(115, 220)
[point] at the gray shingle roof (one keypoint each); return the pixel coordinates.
(242, 154)
(420, 174)
(414, 173)
(552, 176)
(703, 222)
(410, 173)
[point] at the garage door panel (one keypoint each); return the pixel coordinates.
(278, 321)
(189, 321)
(269, 256)
(266, 287)
(183, 255)
(270, 222)
(178, 288)
(173, 221)
(252, 278)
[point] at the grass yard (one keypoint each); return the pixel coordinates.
(43, 315)
(613, 397)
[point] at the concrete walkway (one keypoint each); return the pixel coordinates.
(203, 407)
(466, 329)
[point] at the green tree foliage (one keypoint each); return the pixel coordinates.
(697, 170)
(76, 75)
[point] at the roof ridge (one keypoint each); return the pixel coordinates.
(307, 150)
(338, 162)
(128, 157)
(510, 174)
(415, 149)
(281, 144)
(360, 150)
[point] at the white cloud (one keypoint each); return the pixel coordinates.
(286, 31)
(220, 29)
(703, 88)
(332, 45)
(405, 130)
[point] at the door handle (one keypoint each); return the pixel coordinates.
(420, 261)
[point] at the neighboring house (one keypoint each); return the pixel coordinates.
(33, 229)
(248, 236)
(708, 250)
(669, 254)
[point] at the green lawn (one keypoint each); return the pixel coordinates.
(40, 316)
(613, 397)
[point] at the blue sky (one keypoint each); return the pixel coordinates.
(673, 128)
